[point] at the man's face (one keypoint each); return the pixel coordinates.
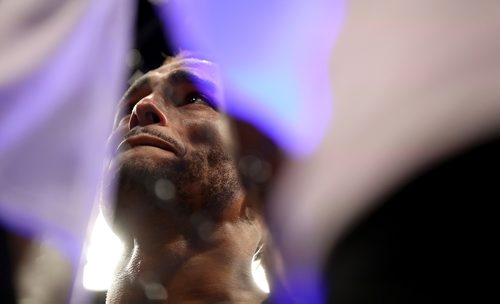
(173, 144)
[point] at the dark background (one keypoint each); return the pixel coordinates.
(151, 41)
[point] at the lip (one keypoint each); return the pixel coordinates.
(147, 140)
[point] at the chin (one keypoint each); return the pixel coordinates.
(141, 162)
(201, 181)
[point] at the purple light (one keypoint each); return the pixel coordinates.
(274, 57)
(54, 124)
(275, 61)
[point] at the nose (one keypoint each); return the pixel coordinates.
(147, 112)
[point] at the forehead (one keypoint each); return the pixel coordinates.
(199, 68)
(201, 73)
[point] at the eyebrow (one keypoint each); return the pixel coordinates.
(183, 76)
(176, 77)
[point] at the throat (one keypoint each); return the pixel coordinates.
(182, 272)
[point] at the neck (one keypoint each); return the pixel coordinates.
(204, 262)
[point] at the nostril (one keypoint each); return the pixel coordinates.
(152, 117)
(146, 112)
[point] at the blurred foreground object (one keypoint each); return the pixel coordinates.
(414, 84)
(274, 60)
(63, 68)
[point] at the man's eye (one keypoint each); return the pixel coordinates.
(198, 98)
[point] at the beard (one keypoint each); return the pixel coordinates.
(206, 181)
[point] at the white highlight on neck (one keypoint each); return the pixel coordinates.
(105, 250)
(103, 254)
(259, 273)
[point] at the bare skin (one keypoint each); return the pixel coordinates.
(190, 232)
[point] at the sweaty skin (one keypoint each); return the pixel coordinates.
(190, 232)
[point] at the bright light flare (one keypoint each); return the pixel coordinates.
(259, 276)
(103, 254)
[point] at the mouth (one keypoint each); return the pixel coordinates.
(146, 140)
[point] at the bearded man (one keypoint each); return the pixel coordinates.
(189, 229)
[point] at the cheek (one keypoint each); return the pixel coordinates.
(204, 134)
(210, 131)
